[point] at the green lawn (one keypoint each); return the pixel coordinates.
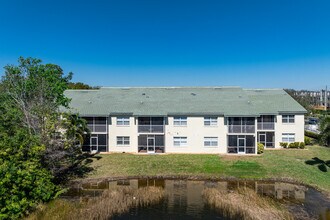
(285, 163)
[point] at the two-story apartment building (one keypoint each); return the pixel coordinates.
(187, 119)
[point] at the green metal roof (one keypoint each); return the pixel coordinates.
(162, 101)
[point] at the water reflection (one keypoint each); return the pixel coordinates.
(184, 197)
(175, 188)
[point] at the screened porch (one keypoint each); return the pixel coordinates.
(267, 139)
(266, 122)
(241, 125)
(151, 124)
(241, 144)
(151, 144)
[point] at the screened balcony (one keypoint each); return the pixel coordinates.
(151, 144)
(241, 125)
(267, 139)
(266, 122)
(95, 142)
(241, 144)
(151, 125)
(96, 124)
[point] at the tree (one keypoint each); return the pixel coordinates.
(80, 85)
(36, 89)
(305, 101)
(325, 131)
(24, 182)
(39, 145)
(65, 137)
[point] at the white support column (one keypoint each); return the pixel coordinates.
(256, 135)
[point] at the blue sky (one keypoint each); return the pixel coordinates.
(254, 44)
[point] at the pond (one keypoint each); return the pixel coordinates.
(199, 199)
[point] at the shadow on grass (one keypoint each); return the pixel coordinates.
(79, 168)
(321, 164)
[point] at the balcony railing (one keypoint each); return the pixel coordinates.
(268, 144)
(241, 128)
(266, 125)
(248, 150)
(97, 128)
(151, 128)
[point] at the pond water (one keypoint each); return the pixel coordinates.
(183, 198)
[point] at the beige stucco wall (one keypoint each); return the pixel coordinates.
(130, 131)
(195, 131)
(297, 128)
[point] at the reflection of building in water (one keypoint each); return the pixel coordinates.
(151, 182)
(232, 185)
(281, 190)
(183, 193)
(177, 193)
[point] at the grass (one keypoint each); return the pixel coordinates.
(285, 163)
(110, 203)
(234, 206)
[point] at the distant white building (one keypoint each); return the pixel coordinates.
(215, 120)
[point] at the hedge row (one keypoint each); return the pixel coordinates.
(312, 135)
(300, 145)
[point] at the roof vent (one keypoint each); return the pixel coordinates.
(90, 102)
(143, 94)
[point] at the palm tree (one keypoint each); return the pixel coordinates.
(77, 128)
(325, 131)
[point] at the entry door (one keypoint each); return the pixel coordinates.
(151, 144)
(241, 145)
(262, 139)
(94, 144)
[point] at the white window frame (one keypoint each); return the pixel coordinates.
(211, 142)
(123, 141)
(210, 121)
(180, 141)
(180, 121)
(288, 119)
(288, 137)
(123, 121)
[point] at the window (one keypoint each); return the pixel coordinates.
(123, 121)
(180, 121)
(122, 140)
(180, 141)
(287, 118)
(288, 137)
(210, 141)
(210, 121)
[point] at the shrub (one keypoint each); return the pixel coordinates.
(22, 187)
(308, 140)
(260, 148)
(302, 145)
(294, 145)
(312, 134)
(284, 144)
